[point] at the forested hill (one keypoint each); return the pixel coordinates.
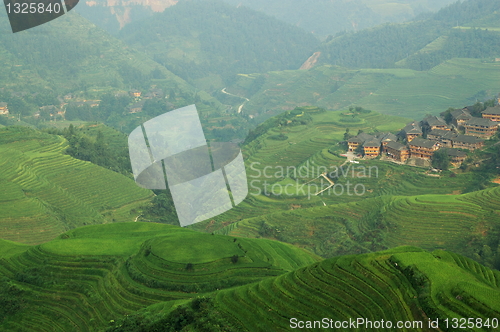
(71, 55)
(420, 44)
(325, 17)
(208, 42)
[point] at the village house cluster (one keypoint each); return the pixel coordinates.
(420, 139)
(59, 110)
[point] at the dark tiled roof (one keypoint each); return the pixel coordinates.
(467, 139)
(438, 132)
(396, 146)
(412, 128)
(481, 122)
(422, 142)
(355, 139)
(372, 143)
(455, 152)
(3, 104)
(361, 138)
(434, 121)
(385, 137)
(492, 110)
(446, 134)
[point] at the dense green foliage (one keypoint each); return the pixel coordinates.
(395, 91)
(468, 43)
(330, 17)
(380, 47)
(441, 160)
(384, 46)
(201, 314)
(215, 39)
(109, 151)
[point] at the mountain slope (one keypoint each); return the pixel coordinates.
(91, 276)
(71, 55)
(405, 285)
(330, 17)
(45, 192)
(383, 46)
(393, 91)
(208, 42)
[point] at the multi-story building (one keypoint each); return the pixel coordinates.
(386, 138)
(371, 148)
(480, 127)
(459, 117)
(411, 131)
(3, 109)
(467, 142)
(135, 93)
(397, 151)
(422, 148)
(372, 144)
(457, 156)
(492, 113)
(354, 142)
(434, 122)
(444, 137)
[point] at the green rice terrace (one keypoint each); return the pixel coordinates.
(147, 276)
(45, 192)
(450, 222)
(89, 276)
(283, 164)
(403, 284)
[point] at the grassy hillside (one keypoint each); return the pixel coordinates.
(396, 91)
(45, 192)
(88, 277)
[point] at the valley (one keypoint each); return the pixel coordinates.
(335, 225)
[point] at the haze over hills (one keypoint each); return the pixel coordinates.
(391, 68)
(83, 248)
(323, 18)
(208, 42)
(113, 15)
(384, 46)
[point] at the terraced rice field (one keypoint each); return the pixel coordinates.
(428, 221)
(372, 286)
(279, 171)
(48, 192)
(94, 274)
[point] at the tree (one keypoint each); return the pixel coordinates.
(347, 135)
(441, 160)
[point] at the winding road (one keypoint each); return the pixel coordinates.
(241, 106)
